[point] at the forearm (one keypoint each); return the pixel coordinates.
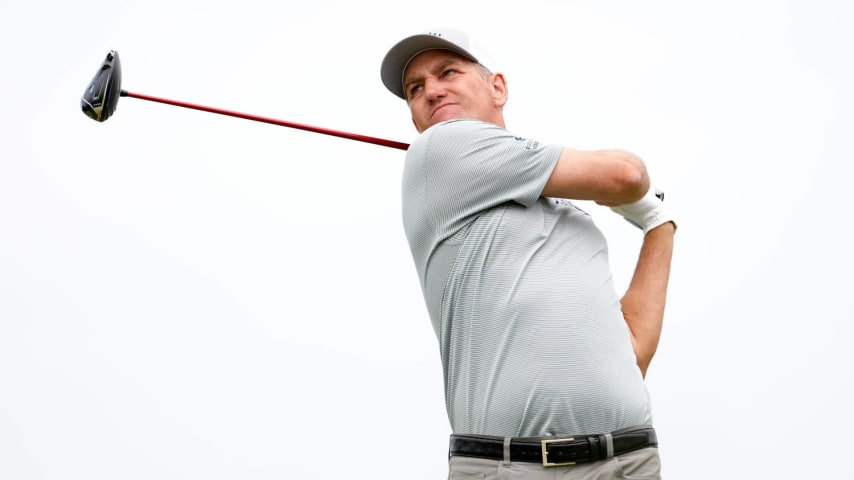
(609, 177)
(644, 301)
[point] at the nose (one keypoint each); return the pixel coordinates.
(434, 89)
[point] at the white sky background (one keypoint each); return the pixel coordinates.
(185, 295)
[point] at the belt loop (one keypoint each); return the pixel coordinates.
(609, 445)
(507, 451)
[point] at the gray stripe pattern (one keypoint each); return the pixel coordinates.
(518, 288)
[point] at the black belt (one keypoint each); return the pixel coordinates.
(554, 451)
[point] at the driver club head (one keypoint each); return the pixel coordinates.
(102, 95)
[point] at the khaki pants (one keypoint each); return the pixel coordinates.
(641, 464)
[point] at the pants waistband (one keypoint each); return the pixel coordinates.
(554, 451)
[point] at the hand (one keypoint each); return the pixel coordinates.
(648, 212)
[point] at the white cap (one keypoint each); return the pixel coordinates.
(398, 58)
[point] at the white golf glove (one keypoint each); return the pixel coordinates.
(648, 212)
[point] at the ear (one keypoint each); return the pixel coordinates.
(499, 89)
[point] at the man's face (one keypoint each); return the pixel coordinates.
(441, 85)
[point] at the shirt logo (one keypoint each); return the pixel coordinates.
(566, 203)
(530, 145)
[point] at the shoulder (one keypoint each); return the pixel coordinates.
(462, 138)
(463, 128)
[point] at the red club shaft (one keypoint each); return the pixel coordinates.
(335, 133)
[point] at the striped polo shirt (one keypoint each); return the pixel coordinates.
(518, 288)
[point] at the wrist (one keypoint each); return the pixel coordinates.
(647, 213)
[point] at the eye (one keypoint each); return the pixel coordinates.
(415, 89)
(449, 72)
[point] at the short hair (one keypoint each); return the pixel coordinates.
(484, 72)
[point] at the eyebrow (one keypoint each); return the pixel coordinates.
(439, 67)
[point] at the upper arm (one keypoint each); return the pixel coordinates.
(470, 166)
(611, 177)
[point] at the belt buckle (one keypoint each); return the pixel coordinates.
(545, 445)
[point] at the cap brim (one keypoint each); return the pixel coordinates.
(398, 58)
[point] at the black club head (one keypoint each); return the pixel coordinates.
(101, 97)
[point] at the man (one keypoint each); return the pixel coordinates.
(543, 361)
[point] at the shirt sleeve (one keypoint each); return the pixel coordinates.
(471, 166)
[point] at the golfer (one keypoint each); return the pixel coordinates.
(543, 360)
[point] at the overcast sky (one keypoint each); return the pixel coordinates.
(186, 295)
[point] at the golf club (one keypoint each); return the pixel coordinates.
(101, 98)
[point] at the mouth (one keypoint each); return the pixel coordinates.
(440, 107)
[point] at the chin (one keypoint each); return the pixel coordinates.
(446, 117)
